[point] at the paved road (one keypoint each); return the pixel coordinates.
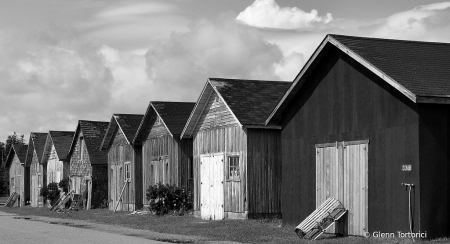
(16, 230)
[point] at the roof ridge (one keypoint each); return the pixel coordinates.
(231, 79)
(391, 40)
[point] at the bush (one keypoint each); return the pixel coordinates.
(50, 192)
(64, 184)
(168, 198)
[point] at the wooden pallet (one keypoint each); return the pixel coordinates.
(321, 219)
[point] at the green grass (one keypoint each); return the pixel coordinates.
(249, 231)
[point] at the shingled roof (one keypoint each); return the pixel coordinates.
(250, 101)
(62, 141)
(93, 133)
(173, 115)
(20, 151)
(419, 70)
(37, 143)
(128, 123)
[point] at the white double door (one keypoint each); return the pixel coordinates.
(212, 192)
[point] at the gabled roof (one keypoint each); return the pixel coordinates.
(93, 133)
(173, 115)
(250, 101)
(62, 141)
(128, 124)
(37, 143)
(419, 70)
(20, 150)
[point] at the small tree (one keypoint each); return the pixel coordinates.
(50, 192)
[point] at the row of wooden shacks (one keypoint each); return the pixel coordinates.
(363, 116)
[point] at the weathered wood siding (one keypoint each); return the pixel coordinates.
(160, 148)
(55, 168)
(37, 181)
(81, 168)
(343, 101)
(216, 114)
(120, 153)
(264, 172)
(230, 140)
(16, 175)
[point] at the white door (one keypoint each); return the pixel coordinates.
(212, 192)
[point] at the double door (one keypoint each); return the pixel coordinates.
(342, 173)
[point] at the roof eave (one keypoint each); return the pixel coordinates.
(359, 59)
(182, 135)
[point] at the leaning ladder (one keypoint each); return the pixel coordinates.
(321, 219)
(120, 198)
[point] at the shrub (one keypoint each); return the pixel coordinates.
(50, 192)
(64, 183)
(168, 198)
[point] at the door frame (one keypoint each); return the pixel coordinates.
(341, 175)
(221, 193)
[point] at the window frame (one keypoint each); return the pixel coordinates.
(127, 173)
(236, 168)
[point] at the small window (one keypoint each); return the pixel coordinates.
(233, 168)
(13, 185)
(216, 99)
(39, 180)
(166, 175)
(152, 174)
(121, 153)
(127, 172)
(158, 121)
(81, 148)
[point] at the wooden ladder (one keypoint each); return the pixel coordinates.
(321, 219)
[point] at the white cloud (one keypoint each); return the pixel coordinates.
(47, 83)
(267, 13)
(180, 66)
(136, 10)
(427, 22)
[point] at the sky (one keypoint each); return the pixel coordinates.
(62, 61)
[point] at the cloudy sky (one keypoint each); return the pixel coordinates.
(61, 60)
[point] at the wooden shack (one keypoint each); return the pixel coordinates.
(15, 162)
(237, 161)
(57, 147)
(363, 116)
(165, 159)
(88, 164)
(37, 168)
(124, 163)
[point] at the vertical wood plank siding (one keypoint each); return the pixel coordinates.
(117, 161)
(160, 145)
(228, 140)
(343, 101)
(216, 114)
(264, 171)
(17, 173)
(37, 182)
